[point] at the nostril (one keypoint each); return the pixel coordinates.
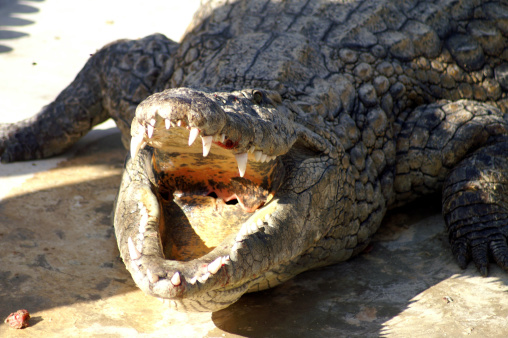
(212, 194)
(165, 195)
(229, 144)
(232, 202)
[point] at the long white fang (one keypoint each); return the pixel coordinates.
(175, 280)
(207, 144)
(133, 252)
(214, 266)
(137, 143)
(263, 157)
(179, 123)
(241, 160)
(222, 138)
(168, 123)
(257, 155)
(194, 132)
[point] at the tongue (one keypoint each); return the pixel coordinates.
(195, 225)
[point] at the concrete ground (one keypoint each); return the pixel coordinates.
(58, 256)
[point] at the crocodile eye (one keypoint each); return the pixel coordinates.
(257, 96)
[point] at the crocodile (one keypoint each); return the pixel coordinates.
(275, 136)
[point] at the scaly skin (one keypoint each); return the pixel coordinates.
(358, 107)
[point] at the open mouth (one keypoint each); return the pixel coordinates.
(206, 192)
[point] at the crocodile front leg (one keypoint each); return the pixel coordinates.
(460, 146)
(112, 83)
(475, 207)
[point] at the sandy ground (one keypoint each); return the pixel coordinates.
(58, 256)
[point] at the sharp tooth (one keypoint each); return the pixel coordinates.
(204, 277)
(175, 280)
(168, 123)
(259, 222)
(241, 160)
(263, 157)
(133, 252)
(253, 228)
(137, 143)
(251, 150)
(214, 266)
(179, 123)
(207, 144)
(150, 127)
(222, 138)
(257, 155)
(194, 132)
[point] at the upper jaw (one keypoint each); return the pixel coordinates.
(250, 121)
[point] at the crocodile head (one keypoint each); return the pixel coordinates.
(216, 196)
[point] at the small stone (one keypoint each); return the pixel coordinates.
(18, 319)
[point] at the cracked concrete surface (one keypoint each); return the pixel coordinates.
(58, 256)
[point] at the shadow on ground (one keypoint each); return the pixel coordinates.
(36, 166)
(59, 260)
(9, 26)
